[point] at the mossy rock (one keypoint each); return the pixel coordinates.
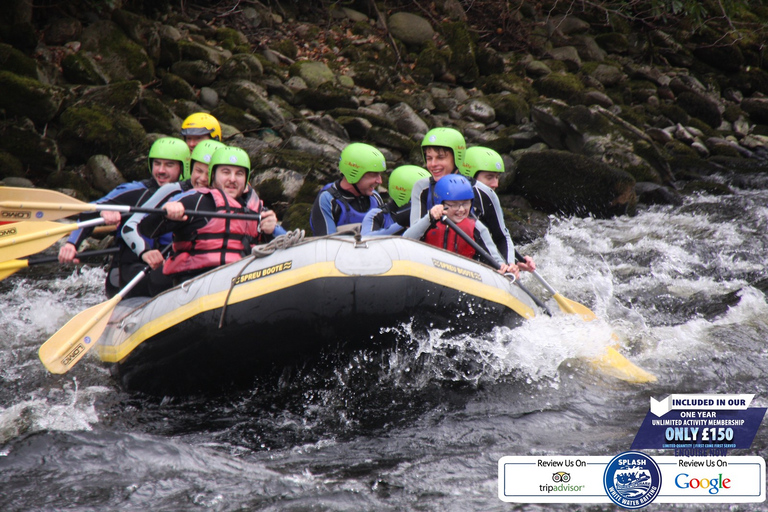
(231, 39)
(197, 72)
(613, 42)
(299, 161)
(24, 96)
(370, 75)
(325, 96)
(121, 58)
(191, 50)
(176, 87)
(700, 106)
(677, 149)
(704, 127)
(122, 96)
(732, 113)
(570, 184)
(391, 139)
(38, 153)
(17, 62)
(297, 217)
(313, 73)
(506, 82)
(489, 62)
(271, 191)
(250, 97)
(434, 61)
(286, 47)
(463, 62)
(509, 108)
(751, 81)
(565, 86)
(10, 166)
(156, 117)
(72, 181)
(81, 68)
(236, 117)
(674, 113)
(307, 192)
(90, 130)
(707, 187)
(244, 66)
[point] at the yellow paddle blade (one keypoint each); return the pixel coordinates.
(11, 207)
(36, 211)
(24, 238)
(611, 363)
(70, 343)
(616, 365)
(35, 194)
(574, 308)
(8, 268)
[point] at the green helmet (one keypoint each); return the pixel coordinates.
(450, 138)
(203, 153)
(479, 158)
(170, 148)
(401, 182)
(229, 155)
(358, 159)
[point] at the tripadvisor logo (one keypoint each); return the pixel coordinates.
(632, 480)
(562, 478)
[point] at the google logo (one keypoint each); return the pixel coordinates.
(713, 484)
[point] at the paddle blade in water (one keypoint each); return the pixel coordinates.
(70, 343)
(616, 365)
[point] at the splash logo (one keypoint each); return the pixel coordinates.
(632, 480)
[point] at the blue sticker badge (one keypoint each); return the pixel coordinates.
(632, 480)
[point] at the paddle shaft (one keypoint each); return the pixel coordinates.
(85, 254)
(10, 208)
(70, 343)
(482, 252)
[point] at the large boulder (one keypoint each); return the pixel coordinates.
(119, 57)
(584, 186)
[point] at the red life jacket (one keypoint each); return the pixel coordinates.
(444, 237)
(220, 241)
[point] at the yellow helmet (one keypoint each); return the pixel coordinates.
(201, 123)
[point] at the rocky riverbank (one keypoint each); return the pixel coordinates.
(593, 118)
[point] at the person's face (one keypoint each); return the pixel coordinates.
(230, 179)
(199, 175)
(488, 178)
(194, 140)
(165, 171)
(368, 183)
(457, 211)
(439, 161)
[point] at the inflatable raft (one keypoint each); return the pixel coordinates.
(321, 294)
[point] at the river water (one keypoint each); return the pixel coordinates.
(417, 427)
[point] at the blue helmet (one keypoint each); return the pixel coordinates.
(454, 187)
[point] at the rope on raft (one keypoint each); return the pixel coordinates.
(289, 239)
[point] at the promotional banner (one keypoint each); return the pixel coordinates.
(698, 429)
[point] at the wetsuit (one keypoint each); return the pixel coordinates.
(335, 206)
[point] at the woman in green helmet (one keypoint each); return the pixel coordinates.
(202, 243)
(395, 216)
(347, 200)
(168, 160)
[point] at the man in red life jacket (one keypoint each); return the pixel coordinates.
(202, 243)
(454, 195)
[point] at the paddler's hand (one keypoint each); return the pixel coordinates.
(111, 218)
(174, 210)
(67, 254)
(268, 222)
(437, 211)
(528, 265)
(509, 269)
(153, 258)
